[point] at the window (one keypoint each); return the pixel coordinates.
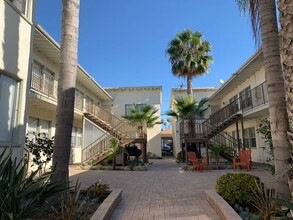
(233, 104)
(233, 98)
(76, 137)
(78, 101)
(42, 79)
(131, 106)
(245, 98)
(249, 137)
(8, 92)
(20, 5)
(89, 104)
(36, 126)
(234, 134)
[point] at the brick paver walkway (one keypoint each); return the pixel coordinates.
(162, 192)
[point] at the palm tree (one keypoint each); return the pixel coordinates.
(264, 22)
(285, 17)
(113, 151)
(66, 89)
(143, 118)
(188, 55)
(186, 108)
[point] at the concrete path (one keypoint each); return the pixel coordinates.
(162, 192)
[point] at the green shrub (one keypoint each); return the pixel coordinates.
(237, 188)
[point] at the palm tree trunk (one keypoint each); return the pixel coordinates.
(276, 93)
(189, 84)
(286, 17)
(66, 89)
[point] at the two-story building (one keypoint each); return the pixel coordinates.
(97, 112)
(234, 111)
(246, 92)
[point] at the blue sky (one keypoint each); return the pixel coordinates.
(123, 42)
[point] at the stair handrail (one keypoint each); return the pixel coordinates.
(218, 117)
(253, 98)
(211, 127)
(95, 142)
(90, 146)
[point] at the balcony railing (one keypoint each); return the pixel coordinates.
(43, 82)
(252, 99)
(209, 128)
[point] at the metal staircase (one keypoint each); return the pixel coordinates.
(98, 150)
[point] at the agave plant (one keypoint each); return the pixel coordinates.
(20, 194)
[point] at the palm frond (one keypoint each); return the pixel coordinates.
(251, 7)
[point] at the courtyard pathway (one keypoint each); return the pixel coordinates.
(162, 192)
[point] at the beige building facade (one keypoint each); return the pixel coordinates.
(42, 100)
(16, 36)
(247, 89)
(198, 94)
(125, 98)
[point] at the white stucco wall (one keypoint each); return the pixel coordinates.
(15, 56)
(140, 95)
(251, 117)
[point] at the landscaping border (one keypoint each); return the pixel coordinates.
(224, 210)
(108, 206)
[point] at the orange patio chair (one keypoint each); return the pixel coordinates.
(197, 164)
(244, 159)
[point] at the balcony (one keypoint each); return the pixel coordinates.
(43, 82)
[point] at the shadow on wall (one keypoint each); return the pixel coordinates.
(154, 145)
(9, 131)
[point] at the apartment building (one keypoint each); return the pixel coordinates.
(124, 99)
(233, 113)
(16, 36)
(97, 117)
(245, 92)
(42, 100)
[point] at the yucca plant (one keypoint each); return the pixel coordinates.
(71, 206)
(264, 201)
(20, 194)
(113, 151)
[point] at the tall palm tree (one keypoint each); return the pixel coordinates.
(189, 56)
(264, 23)
(286, 17)
(66, 89)
(143, 118)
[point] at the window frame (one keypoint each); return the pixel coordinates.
(249, 134)
(245, 98)
(131, 106)
(13, 113)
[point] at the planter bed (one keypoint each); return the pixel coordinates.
(224, 210)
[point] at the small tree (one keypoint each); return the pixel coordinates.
(264, 128)
(113, 151)
(142, 119)
(41, 147)
(217, 151)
